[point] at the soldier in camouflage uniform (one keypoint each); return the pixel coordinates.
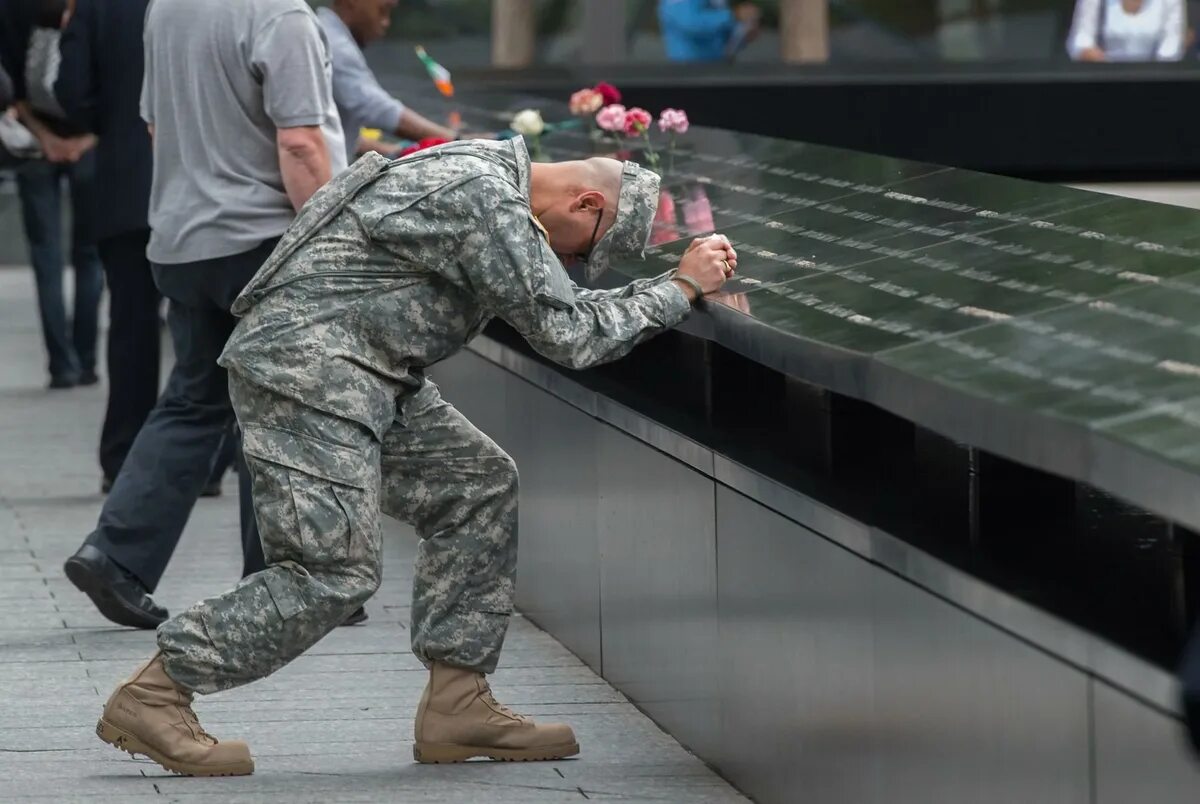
(390, 268)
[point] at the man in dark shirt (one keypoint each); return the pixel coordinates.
(99, 84)
(6, 89)
(16, 22)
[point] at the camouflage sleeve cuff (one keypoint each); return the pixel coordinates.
(674, 302)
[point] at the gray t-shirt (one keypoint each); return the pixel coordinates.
(221, 77)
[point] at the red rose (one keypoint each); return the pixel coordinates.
(607, 91)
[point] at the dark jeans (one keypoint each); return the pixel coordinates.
(133, 354)
(72, 347)
(134, 338)
(171, 458)
(227, 455)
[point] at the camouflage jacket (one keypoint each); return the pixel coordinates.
(394, 266)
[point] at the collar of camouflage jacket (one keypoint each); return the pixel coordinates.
(319, 210)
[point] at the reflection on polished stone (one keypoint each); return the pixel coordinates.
(1063, 306)
(734, 301)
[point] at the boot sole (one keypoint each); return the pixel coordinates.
(112, 607)
(438, 753)
(119, 738)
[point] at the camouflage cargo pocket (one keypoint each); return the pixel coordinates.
(315, 502)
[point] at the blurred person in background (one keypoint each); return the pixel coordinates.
(6, 89)
(238, 98)
(98, 88)
(29, 33)
(351, 25)
(99, 83)
(17, 142)
(706, 30)
(1128, 30)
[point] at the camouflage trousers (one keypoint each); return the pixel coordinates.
(320, 483)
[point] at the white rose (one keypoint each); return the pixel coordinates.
(528, 122)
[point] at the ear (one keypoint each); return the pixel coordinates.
(589, 201)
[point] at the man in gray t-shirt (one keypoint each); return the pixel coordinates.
(225, 82)
(239, 101)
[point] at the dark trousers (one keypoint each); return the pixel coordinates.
(1189, 687)
(71, 346)
(171, 458)
(133, 352)
(227, 456)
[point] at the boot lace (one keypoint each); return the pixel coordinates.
(193, 723)
(500, 708)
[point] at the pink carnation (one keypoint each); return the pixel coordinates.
(637, 121)
(611, 117)
(585, 102)
(674, 121)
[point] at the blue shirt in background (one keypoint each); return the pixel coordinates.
(696, 30)
(361, 101)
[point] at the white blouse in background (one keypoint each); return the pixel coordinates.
(1154, 33)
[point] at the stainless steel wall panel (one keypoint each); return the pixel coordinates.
(549, 379)
(1141, 755)
(816, 516)
(478, 388)
(558, 576)
(658, 586)
(796, 659)
(679, 447)
(965, 712)
(804, 666)
(843, 681)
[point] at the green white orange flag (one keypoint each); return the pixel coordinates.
(439, 74)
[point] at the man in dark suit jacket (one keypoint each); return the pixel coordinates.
(16, 20)
(6, 89)
(99, 87)
(99, 83)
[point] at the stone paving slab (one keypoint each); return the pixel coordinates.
(334, 726)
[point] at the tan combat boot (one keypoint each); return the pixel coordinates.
(150, 714)
(458, 719)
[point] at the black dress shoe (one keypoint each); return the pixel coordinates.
(212, 489)
(119, 596)
(59, 382)
(88, 378)
(359, 615)
(106, 484)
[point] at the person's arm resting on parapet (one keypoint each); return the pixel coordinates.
(509, 260)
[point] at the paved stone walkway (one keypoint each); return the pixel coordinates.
(334, 726)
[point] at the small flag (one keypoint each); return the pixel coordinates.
(439, 74)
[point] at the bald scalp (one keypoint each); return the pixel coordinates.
(600, 174)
